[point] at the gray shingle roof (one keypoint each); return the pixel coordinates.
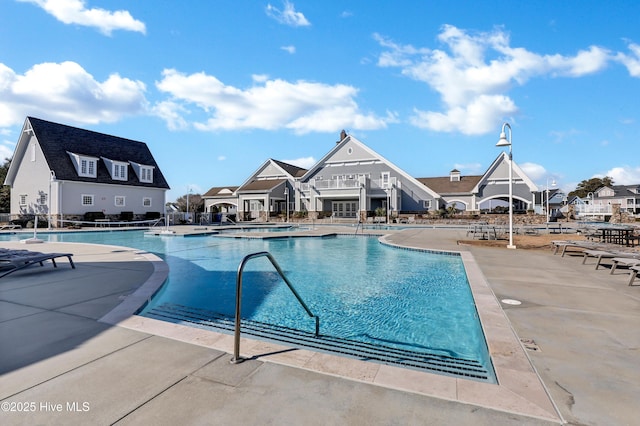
(215, 191)
(58, 139)
(261, 185)
(443, 185)
(294, 171)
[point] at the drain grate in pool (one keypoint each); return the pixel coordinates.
(420, 360)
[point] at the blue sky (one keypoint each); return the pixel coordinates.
(215, 88)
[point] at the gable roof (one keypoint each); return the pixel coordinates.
(619, 191)
(444, 185)
(351, 139)
(58, 140)
(285, 171)
(294, 171)
(262, 185)
(217, 191)
(517, 172)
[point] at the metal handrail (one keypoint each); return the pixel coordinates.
(236, 346)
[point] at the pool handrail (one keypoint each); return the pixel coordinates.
(236, 346)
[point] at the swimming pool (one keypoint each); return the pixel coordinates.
(365, 293)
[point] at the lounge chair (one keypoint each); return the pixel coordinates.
(603, 254)
(580, 245)
(633, 271)
(623, 261)
(10, 227)
(14, 260)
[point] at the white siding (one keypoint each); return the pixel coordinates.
(32, 178)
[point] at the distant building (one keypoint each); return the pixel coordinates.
(64, 172)
(627, 196)
(351, 181)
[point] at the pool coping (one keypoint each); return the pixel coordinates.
(519, 389)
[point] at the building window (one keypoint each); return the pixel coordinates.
(146, 174)
(426, 204)
(87, 200)
(23, 200)
(119, 201)
(385, 179)
(119, 171)
(87, 167)
(43, 199)
(146, 201)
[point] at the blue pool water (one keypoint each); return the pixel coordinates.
(361, 289)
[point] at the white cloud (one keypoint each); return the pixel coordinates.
(221, 158)
(473, 73)
(585, 62)
(289, 49)
(560, 136)
(75, 12)
(304, 162)
(287, 16)
(269, 104)
(66, 91)
(475, 118)
(533, 170)
(6, 150)
(171, 113)
(259, 78)
(469, 168)
(632, 62)
(623, 175)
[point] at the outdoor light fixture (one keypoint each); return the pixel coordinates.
(553, 184)
(503, 141)
(187, 215)
(286, 193)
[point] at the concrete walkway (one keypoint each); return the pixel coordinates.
(60, 365)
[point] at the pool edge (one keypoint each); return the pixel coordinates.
(520, 390)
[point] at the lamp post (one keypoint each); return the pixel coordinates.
(503, 141)
(187, 216)
(388, 191)
(553, 183)
(286, 194)
(51, 179)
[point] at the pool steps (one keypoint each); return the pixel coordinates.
(419, 360)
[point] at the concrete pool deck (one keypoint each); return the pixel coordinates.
(64, 355)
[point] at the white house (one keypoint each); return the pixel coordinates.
(64, 172)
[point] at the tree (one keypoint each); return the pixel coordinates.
(196, 203)
(5, 190)
(591, 185)
(452, 210)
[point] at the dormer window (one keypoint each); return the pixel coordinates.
(143, 171)
(146, 174)
(85, 166)
(454, 176)
(120, 171)
(117, 169)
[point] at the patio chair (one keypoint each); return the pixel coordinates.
(580, 245)
(14, 260)
(623, 261)
(603, 254)
(633, 271)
